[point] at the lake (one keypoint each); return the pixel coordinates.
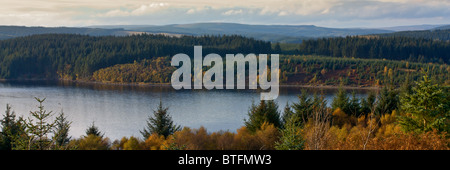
(122, 110)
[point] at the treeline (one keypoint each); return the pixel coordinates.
(53, 56)
(415, 116)
(297, 70)
(438, 34)
(374, 47)
(322, 70)
(146, 71)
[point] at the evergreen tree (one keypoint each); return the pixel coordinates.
(387, 101)
(303, 109)
(265, 112)
(426, 108)
(10, 129)
(93, 130)
(61, 131)
(38, 131)
(341, 101)
(287, 113)
(367, 104)
(291, 137)
(161, 123)
(354, 106)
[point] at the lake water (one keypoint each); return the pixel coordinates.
(122, 111)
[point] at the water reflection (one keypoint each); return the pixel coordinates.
(122, 110)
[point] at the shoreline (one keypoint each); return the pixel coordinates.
(88, 82)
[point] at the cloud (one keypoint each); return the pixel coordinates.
(233, 12)
(356, 12)
(139, 11)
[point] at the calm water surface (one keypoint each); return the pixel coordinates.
(122, 111)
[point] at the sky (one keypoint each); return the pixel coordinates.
(327, 13)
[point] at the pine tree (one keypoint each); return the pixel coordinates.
(341, 100)
(61, 132)
(93, 130)
(10, 129)
(265, 112)
(161, 123)
(387, 101)
(426, 108)
(291, 136)
(38, 131)
(303, 109)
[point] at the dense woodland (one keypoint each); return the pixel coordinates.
(375, 47)
(438, 34)
(53, 56)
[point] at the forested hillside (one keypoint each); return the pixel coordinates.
(373, 47)
(52, 56)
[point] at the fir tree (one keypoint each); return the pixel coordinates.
(427, 108)
(341, 100)
(93, 130)
(291, 137)
(161, 123)
(265, 112)
(41, 128)
(10, 128)
(61, 132)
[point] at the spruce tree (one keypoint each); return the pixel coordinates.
(93, 130)
(341, 100)
(10, 129)
(161, 123)
(39, 130)
(426, 108)
(61, 131)
(264, 112)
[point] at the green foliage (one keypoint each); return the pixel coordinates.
(426, 108)
(394, 48)
(356, 72)
(161, 123)
(265, 112)
(10, 129)
(70, 56)
(388, 101)
(291, 136)
(61, 132)
(93, 130)
(38, 131)
(341, 100)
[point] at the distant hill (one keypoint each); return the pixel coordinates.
(19, 31)
(273, 33)
(445, 27)
(411, 27)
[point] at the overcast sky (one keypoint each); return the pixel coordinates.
(328, 13)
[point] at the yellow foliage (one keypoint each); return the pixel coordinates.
(132, 144)
(267, 136)
(155, 142)
(340, 117)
